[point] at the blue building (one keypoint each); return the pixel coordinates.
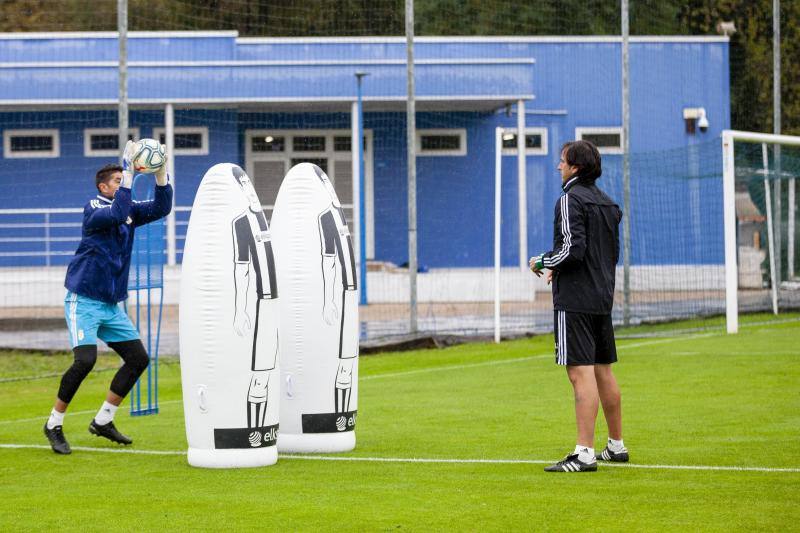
(267, 103)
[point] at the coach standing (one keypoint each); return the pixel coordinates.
(582, 267)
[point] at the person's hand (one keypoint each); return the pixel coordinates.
(536, 265)
(127, 164)
(241, 323)
(549, 277)
(161, 173)
(330, 314)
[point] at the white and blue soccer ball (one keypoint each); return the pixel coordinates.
(148, 156)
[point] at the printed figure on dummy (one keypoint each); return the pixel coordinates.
(341, 295)
(253, 257)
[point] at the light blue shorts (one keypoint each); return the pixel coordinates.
(89, 320)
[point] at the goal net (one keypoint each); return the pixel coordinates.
(762, 264)
(267, 84)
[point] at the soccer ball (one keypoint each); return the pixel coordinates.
(148, 156)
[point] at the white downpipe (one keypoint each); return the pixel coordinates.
(770, 232)
(498, 149)
(522, 187)
(729, 214)
(169, 138)
(356, 169)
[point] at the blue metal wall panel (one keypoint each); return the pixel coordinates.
(282, 82)
(580, 78)
(167, 48)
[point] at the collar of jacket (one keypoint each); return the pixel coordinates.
(569, 183)
(107, 200)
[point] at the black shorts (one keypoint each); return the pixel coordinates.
(584, 339)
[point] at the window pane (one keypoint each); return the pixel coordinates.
(267, 144)
(603, 140)
(267, 179)
(321, 163)
(184, 141)
(32, 143)
(532, 140)
(441, 142)
(308, 144)
(342, 144)
(105, 141)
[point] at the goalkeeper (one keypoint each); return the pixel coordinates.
(96, 281)
(582, 268)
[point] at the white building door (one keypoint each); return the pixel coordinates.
(269, 154)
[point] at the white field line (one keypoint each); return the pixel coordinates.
(432, 369)
(422, 460)
(490, 363)
(88, 449)
(70, 413)
(521, 359)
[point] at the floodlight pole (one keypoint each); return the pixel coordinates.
(776, 128)
(411, 143)
(362, 233)
(122, 110)
(626, 170)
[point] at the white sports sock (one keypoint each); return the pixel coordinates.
(616, 446)
(56, 419)
(105, 414)
(585, 454)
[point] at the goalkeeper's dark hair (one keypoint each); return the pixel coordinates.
(585, 156)
(105, 173)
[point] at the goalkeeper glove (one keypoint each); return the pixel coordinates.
(127, 164)
(161, 173)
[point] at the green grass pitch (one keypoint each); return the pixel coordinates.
(728, 405)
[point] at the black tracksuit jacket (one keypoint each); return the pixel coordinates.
(585, 249)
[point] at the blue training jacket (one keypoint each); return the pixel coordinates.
(102, 261)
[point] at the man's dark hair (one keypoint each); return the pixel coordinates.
(585, 156)
(105, 173)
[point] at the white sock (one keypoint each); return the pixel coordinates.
(56, 419)
(585, 454)
(616, 446)
(105, 414)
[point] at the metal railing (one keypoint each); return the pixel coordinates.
(31, 237)
(18, 242)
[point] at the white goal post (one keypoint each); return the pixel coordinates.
(729, 137)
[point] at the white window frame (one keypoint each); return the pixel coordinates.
(528, 151)
(202, 130)
(87, 141)
(288, 154)
(461, 132)
(579, 132)
(8, 134)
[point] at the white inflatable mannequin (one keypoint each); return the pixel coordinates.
(229, 326)
(319, 309)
